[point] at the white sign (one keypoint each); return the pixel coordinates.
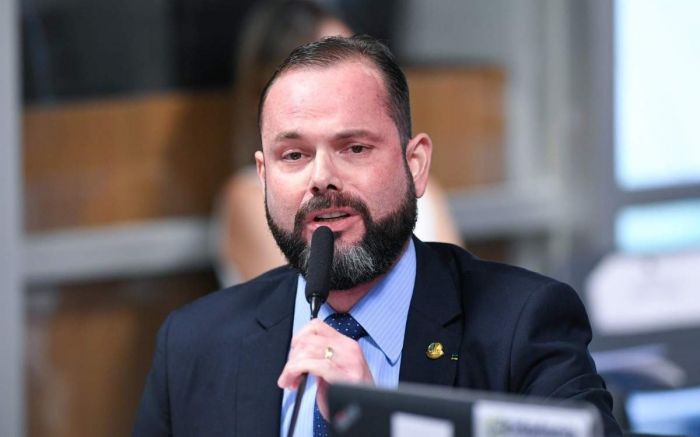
(413, 425)
(499, 419)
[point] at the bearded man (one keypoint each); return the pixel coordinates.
(337, 151)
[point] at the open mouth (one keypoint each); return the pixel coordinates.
(331, 216)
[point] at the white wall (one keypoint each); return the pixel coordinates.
(502, 32)
(535, 43)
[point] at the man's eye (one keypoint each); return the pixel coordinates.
(357, 148)
(292, 156)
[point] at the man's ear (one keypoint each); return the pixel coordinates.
(418, 154)
(260, 167)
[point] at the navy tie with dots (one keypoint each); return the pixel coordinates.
(346, 325)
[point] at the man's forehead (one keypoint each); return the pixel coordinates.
(330, 72)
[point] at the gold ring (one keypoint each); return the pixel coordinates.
(328, 353)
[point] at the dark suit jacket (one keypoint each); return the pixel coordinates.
(217, 360)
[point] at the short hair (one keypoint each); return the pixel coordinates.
(335, 49)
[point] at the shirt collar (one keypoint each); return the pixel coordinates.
(383, 311)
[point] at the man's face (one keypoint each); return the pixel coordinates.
(332, 157)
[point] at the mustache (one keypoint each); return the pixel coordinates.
(330, 199)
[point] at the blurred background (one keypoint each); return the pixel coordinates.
(566, 140)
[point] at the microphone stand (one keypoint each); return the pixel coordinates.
(317, 288)
(315, 304)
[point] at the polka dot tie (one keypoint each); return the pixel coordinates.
(346, 325)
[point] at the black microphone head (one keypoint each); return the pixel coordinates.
(318, 268)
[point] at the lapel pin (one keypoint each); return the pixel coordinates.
(435, 350)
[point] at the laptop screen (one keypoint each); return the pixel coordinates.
(421, 410)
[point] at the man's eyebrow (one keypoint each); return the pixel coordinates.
(342, 135)
(356, 133)
(288, 135)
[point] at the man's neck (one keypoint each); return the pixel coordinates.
(342, 301)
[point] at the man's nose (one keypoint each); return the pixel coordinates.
(325, 174)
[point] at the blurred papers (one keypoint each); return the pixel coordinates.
(630, 294)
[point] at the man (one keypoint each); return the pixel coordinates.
(337, 151)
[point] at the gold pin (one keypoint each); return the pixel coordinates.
(435, 350)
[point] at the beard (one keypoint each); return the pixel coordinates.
(355, 263)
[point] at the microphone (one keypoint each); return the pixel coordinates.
(318, 278)
(318, 271)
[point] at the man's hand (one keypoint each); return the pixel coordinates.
(310, 352)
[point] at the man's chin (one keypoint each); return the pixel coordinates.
(343, 236)
(342, 244)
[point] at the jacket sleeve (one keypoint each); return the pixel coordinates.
(153, 415)
(549, 356)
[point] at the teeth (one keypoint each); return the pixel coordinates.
(331, 215)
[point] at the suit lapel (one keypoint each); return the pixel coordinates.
(434, 316)
(264, 353)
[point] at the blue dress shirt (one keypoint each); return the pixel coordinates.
(382, 312)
